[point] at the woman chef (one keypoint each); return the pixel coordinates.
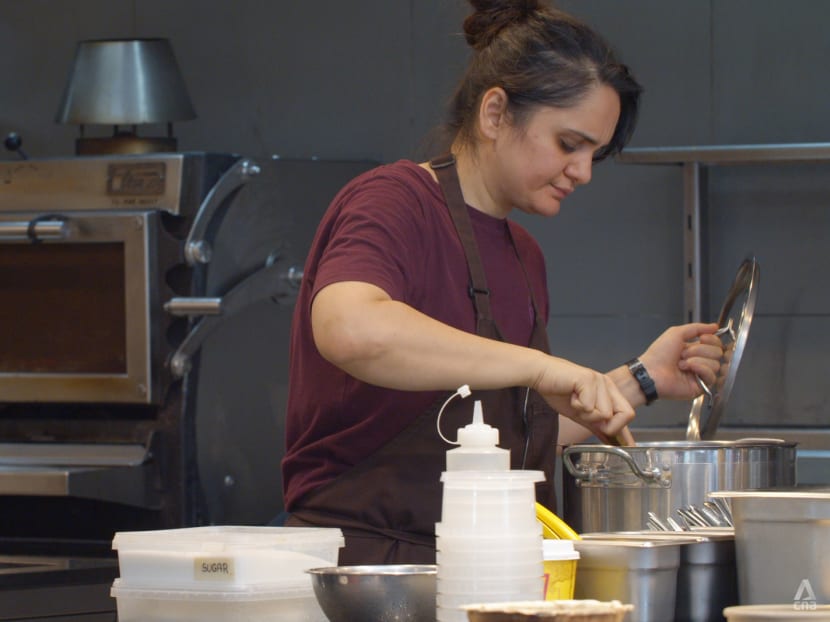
(417, 283)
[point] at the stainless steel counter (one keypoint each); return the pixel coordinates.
(56, 588)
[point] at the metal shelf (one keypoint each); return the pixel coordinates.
(695, 161)
(728, 154)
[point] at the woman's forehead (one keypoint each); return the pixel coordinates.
(593, 117)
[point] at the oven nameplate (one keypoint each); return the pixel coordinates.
(110, 183)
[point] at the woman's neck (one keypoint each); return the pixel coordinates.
(472, 177)
(476, 184)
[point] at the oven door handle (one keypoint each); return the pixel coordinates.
(36, 230)
(275, 282)
(197, 249)
(189, 307)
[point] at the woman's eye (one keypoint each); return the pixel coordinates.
(566, 146)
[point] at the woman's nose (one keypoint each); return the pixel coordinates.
(579, 169)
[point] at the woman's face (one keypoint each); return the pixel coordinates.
(534, 167)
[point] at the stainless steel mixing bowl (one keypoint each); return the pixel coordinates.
(380, 593)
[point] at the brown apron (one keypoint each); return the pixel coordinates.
(388, 504)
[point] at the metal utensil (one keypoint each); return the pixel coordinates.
(723, 330)
(693, 427)
(721, 516)
(655, 523)
(711, 517)
(734, 320)
(692, 519)
(723, 506)
(695, 511)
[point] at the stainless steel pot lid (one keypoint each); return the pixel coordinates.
(734, 321)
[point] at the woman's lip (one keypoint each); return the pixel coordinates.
(563, 192)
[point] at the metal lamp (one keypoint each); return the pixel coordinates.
(125, 82)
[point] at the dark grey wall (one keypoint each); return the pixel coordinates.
(368, 78)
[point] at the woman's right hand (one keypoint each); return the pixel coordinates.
(586, 396)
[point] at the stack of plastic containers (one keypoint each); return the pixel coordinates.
(222, 574)
(489, 542)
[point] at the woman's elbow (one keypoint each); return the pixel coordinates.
(342, 328)
(338, 344)
(344, 340)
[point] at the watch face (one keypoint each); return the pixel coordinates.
(645, 381)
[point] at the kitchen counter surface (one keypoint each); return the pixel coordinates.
(56, 588)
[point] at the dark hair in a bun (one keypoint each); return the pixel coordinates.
(540, 56)
(491, 16)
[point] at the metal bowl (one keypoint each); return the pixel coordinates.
(381, 593)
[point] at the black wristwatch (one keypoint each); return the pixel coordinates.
(643, 379)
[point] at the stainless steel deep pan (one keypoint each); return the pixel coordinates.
(609, 488)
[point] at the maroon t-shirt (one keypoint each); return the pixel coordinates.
(390, 227)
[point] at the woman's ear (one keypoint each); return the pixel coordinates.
(492, 113)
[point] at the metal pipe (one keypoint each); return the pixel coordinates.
(728, 154)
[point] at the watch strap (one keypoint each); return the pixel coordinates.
(645, 381)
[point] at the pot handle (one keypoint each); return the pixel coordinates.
(656, 475)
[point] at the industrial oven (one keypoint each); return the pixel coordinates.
(145, 305)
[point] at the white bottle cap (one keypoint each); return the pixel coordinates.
(478, 433)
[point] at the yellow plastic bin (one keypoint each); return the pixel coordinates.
(560, 556)
(560, 560)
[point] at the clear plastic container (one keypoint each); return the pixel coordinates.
(450, 538)
(224, 558)
(483, 559)
(489, 541)
(481, 501)
(499, 516)
(491, 481)
(493, 570)
(474, 585)
(452, 601)
(262, 604)
(485, 551)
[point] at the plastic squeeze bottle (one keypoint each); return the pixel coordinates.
(478, 450)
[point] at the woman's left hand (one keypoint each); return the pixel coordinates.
(681, 355)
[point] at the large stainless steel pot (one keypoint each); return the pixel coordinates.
(609, 488)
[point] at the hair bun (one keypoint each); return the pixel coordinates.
(491, 16)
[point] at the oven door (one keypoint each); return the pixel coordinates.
(77, 292)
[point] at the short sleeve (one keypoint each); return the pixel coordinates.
(375, 236)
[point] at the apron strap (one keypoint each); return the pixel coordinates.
(445, 170)
(540, 321)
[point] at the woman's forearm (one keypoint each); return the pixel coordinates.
(390, 344)
(358, 328)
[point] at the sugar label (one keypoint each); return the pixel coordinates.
(213, 568)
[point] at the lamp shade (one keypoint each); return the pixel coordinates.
(125, 82)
